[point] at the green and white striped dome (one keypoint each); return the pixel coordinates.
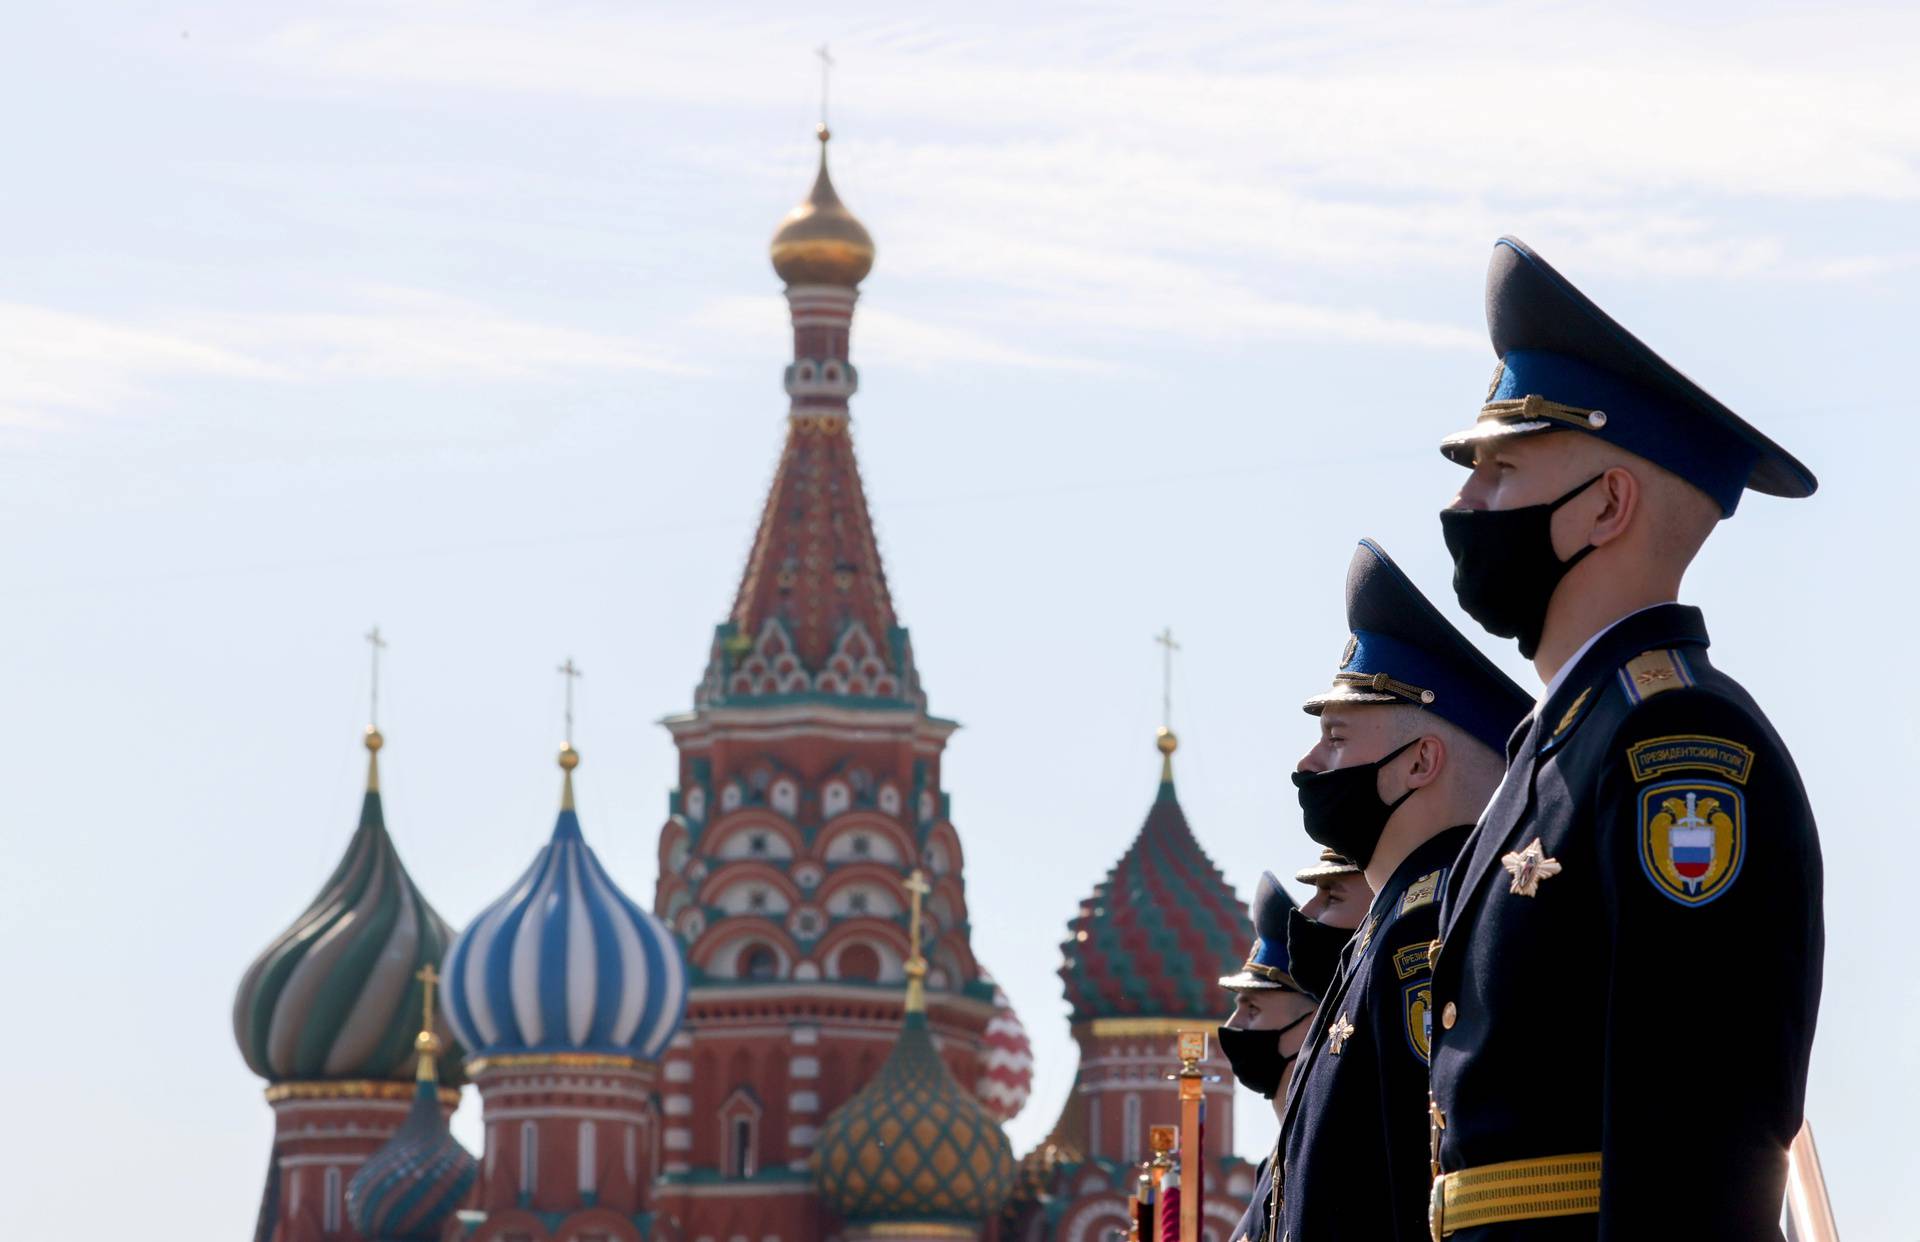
(336, 996)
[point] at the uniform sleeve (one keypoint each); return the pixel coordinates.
(1711, 883)
(1401, 1003)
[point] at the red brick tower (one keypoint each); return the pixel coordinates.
(809, 790)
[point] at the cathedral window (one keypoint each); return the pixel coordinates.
(757, 961)
(1130, 1129)
(588, 1170)
(757, 899)
(858, 963)
(857, 902)
(862, 845)
(757, 843)
(742, 1147)
(330, 1200)
(529, 1158)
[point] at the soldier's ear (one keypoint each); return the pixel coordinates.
(1621, 491)
(1429, 760)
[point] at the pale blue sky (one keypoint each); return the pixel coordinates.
(457, 318)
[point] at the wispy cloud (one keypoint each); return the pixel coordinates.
(57, 362)
(1149, 174)
(413, 333)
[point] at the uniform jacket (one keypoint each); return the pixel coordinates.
(1643, 982)
(1355, 1134)
(1253, 1224)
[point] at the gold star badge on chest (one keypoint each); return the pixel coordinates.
(1528, 867)
(1338, 1034)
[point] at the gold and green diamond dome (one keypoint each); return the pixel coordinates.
(913, 1145)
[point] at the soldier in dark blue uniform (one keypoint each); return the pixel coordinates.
(1628, 969)
(1340, 896)
(1410, 749)
(1263, 1036)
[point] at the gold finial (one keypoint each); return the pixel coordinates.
(569, 757)
(916, 966)
(426, 1044)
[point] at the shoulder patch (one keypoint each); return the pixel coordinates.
(1689, 752)
(1654, 672)
(1693, 838)
(1410, 961)
(1419, 1019)
(1423, 891)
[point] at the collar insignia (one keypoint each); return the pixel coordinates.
(1528, 868)
(1573, 712)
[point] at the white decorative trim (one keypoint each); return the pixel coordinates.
(677, 1139)
(803, 1136)
(804, 1067)
(677, 1106)
(804, 1101)
(677, 1070)
(301, 1162)
(569, 1112)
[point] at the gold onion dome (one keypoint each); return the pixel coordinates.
(820, 242)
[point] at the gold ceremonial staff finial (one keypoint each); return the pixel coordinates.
(569, 757)
(916, 966)
(374, 740)
(1164, 737)
(427, 1044)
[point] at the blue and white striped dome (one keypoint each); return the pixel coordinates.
(565, 962)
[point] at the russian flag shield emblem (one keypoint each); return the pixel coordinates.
(1692, 838)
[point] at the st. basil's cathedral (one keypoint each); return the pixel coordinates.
(795, 1042)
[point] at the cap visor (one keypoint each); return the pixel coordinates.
(1324, 871)
(1458, 447)
(1346, 694)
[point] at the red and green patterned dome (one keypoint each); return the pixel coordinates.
(1160, 929)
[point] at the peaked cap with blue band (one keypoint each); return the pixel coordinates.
(1566, 365)
(1268, 967)
(1403, 651)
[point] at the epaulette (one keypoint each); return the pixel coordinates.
(1423, 891)
(1654, 672)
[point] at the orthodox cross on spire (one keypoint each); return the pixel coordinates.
(1168, 647)
(428, 977)
(916, 966)
(1163, 737)
(826, 71)
(378, 644)
(571, 673)
(426, 1044)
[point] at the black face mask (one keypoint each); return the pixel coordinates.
(1504, 566)
(1343, 808)
(1313, 952)
(1256, 1057)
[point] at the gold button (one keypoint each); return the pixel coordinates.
(1447, 1016)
